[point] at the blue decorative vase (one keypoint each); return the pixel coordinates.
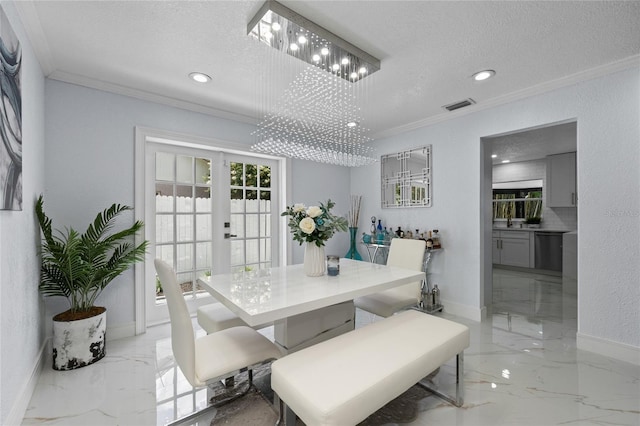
(353, 253)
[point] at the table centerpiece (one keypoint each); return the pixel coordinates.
(314, 225)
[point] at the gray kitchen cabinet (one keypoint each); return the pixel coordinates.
(561, 180)
(512, 248)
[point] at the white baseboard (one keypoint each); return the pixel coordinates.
(120, 331)
(466, 311)
(619, 351)
(19, 408)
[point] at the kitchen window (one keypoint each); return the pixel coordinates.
(517, 200)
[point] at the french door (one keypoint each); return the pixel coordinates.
(207, 212)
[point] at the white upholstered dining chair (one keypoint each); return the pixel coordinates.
(403, 253)
(208, 359)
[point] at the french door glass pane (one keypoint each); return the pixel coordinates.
(265, 249)
(252, 225)
(164, 197)
(265, 225)
(184, 169)
(203, 227)
(164, 166)
(265, 176)
(203, 255)
(184, 257)
(165, 253)
(252, 204)
(184, 198)
(184, 224)
(251, 175)
(203, 199)
(203, 171)
(184, 216)
(237, 252)
(253, 255)
(236, 174)
(237, 226)
(164, 228)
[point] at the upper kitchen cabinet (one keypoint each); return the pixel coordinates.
(561, 180)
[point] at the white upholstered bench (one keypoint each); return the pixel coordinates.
(345, 379)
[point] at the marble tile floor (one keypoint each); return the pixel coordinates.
(522, 368)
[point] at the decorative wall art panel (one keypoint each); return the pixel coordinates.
(11, 118)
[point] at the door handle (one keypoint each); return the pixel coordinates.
(228, 235)
(573, 198)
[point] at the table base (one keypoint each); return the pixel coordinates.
(300, 331)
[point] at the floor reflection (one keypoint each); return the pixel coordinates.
(522, 368)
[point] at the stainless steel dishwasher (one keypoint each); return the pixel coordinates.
(548, 250)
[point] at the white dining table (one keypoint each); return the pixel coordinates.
(305, 310)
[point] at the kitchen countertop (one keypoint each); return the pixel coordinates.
(517, 228)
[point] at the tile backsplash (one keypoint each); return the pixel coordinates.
(560, 218)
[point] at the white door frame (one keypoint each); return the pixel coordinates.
(143, 135)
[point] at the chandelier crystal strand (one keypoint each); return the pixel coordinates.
(309, 121)
(304, 110)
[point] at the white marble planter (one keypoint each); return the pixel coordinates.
(79, 343)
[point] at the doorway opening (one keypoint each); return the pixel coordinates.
(514, 160)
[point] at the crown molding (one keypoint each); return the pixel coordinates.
(592, 73)
(93, 83)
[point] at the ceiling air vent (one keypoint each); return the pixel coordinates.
(460, 104)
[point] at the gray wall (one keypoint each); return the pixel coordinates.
(90, 164)
(607, 113)
(21, 329)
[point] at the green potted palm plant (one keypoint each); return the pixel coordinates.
(79, 267)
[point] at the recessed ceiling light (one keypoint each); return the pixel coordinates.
(483, 75)
(505, 161)
(335, 67)
(353, 75)
(345, 61)
(275, 26)
(352, 124)
(293, 47)
(302, 39)
(494, 155)
(316, 58)
(324, 51)
(200, 77)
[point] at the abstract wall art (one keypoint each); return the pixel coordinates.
(10, 117)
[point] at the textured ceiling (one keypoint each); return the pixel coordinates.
(428, 50)
(534, 144)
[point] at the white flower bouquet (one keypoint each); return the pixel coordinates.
(314, 224)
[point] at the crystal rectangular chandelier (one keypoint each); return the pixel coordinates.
(318, 116)
(283, 29)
